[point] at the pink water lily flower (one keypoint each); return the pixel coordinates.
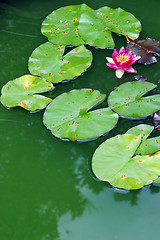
(121, 61)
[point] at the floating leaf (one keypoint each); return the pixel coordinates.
(142, 129)
(127, 100)
(61, 26)
(48, 62)
(69, 117)
(157, 180)
(147, 146)
(95, 26)
(113, 162)
(145, 48)
(22, 92)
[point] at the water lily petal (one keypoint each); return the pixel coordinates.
(129, 69)
(110, 60)
(119, 73)
(122, 50)
(129, 52)
(112, 65)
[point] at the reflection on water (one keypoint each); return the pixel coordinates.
(48, 190)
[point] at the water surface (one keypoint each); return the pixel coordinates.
(47, 188)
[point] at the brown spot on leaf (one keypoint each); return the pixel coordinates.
(122, 176)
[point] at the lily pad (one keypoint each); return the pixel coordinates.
(128, 102)
(49, 62)
(95, 26)
(157, 180)
(69, 117)
(22, 92)
(142, 129)
(148, 145)
(145, 48)
(61, 26)
(114, 162)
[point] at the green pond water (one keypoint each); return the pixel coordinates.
(47, 188)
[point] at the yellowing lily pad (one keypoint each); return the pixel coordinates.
(69, 115)
(49, 62)
(114, 162)
(95, 26)
(61, 26)
(23, 92)
(128, 102)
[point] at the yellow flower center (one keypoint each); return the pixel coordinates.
(122, 58)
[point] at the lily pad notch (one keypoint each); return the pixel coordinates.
(48, 61)
(70, 115)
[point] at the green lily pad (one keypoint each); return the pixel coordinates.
(49, 62)
(128, 102)
(95, 26)
(69, 117)
(142, 129)
(157, 180)
(61, 26)
(148, 145)
(22, 92)
(114, 162)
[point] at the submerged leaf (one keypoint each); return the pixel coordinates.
(114, 162)
(95, 26)
(49, 62)
(128, 102)
(69, 116)
(22, 92)
(145, 48)
(61, 26)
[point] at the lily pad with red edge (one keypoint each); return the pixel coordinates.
(95, 26)
(61, 26)
(23, 91)
(114, 161)
(128, 101)
(70, 115)
(145, 48)
(48, 61)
